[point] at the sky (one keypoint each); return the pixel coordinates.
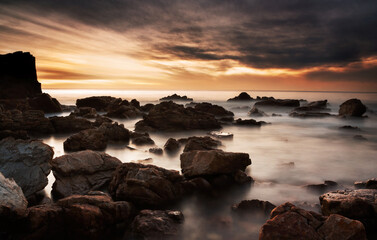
(311, 45)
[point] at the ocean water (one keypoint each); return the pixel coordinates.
(318, 148)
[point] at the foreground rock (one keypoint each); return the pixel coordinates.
(168, 116)
(81, 172)
(157, 224)
(70, 124)
(352, 108)
(93, 139)
(244, 96)
(27, 162)
(100, 103)
(369, 184)
(18, 76)
(201, 143)
(358, 204)
(176, 97)
(13, 203)
(255, 206)
(278, 103)
(290, 222)
(145, 185)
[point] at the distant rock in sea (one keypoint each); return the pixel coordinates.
(18, 76)
(176, 97)
(352, 108)
(244, 96)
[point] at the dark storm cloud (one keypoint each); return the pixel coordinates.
(258, 33)
(357, 75)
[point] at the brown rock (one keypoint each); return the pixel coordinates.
(243, 96)
(92, 139)
(171, 145)
(45, 103)
(115, 132)
(253, 206)
(278, 103)
(201, 143)
(100, 103)
(85, 112)
(338, 227)
(216, 110)
(352, 108)
(70, 124)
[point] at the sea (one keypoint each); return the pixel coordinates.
(286, 154)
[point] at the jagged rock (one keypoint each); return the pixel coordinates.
(81, 172)
(157, 224)
(176, 97)
(18, 76)
(312, 106)
(100, 103)
(257, 112)
(168, 116)
(201, 143)
(243, 96)
(124, 112)
(358, 204)
(352, 108)
(93, 139)
(212, 162)
(216, 110)
(100, 120)
(171, 145)
(27, 162)
(115, 132)
(45, 103)
(253, 206)
(369, 184)
(278, 103)
(12, 200)
(290, 222)
(157, 151)
(85, 112)
(70, 124)
(147, 107)
(145, 185)
(248, 122)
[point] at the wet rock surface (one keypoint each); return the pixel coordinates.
(124, 111)
(352, 108)
(322, 187)
(201, 143)
(141, 138)
(257, 112)
(92, 139)
(81, 172)
(12, 201)
(313, 106)
(369, 184)
(115, 132)
(27, 162)
(310, 114)
(45, 103)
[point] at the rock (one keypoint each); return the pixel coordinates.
(100, 103)
(18, 76)
(145, 185)
(27, 162)
(323, 187)
(115, 132)
(358, 204)
(168, 116)
(45, 103)
(70, 124)
(176, 97)
(276, 115)
(135, 103)
(171, 145)
(100, 120)
(201, 143)
(253, 206)
(278, 103)
(369, 184)
(216, 110)
(12, 201)
(348, 127)
(141, 139)
(68, 108)
(241, 177)
(93, 139)
(81, 172)
(312, 106)
(221, 134)
(212, 162)
(256, 112)
(310, 114)
(248, 122)
(85, 112)
(243, 96)
(124, 112)
(147, 107)
(157, 224)
(17, 134)
(360, 138)
(157, 151)
(290, 222)
(352, 108)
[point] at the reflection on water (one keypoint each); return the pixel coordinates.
(318, 149)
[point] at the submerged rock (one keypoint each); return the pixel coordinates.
(253, 206)
(352, 108)
(323, 187)
(27, 162)
(141, 139)
(81, 172)
(313, 106)
(176, 97)
(257, 112)
(157, 151)
(171, 145)
(124, 111)
(349, 127)
(249, 122)
(93, 139)
(243, 96)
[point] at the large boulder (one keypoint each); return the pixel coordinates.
(115, 132)
(124, 112)
(100, 103)
(216, 110)
(12, 199)
(92, 139)
(278, 103)
(70, 124)
(171, 145)
(243, 96)
(145, 185)
(212, 162)
(157, 224)
(81, 172)
(45, 103)
(358, 204)
(27, 162)
(256, 112)
(85, 112)
(18, 76)
(290, 222)
(201, 143)
(168, 116)
(352, 108)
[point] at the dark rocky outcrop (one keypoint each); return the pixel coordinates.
(85, 112)
(257, 112)
(176, 97)
(81, 172)
(168, 116)
(254, 206)
(244, 96)
(290, 222)
(313, 106)
(45, 103)
(157, 224)
(93, 139)
(157, 151)
(27, 162)
(278, 103)
(369, 184)
(216, 110)
(124, 111)
(115, 132)
(352, 108)
(18, 76)
(141, 138)
(248, 122)
(70, 124)
(100, 103)
(147, 107)
(100, 120)
(201, 143)
(171, 145)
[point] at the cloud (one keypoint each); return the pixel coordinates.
(353, 75)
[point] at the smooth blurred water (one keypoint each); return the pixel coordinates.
(319, 149)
